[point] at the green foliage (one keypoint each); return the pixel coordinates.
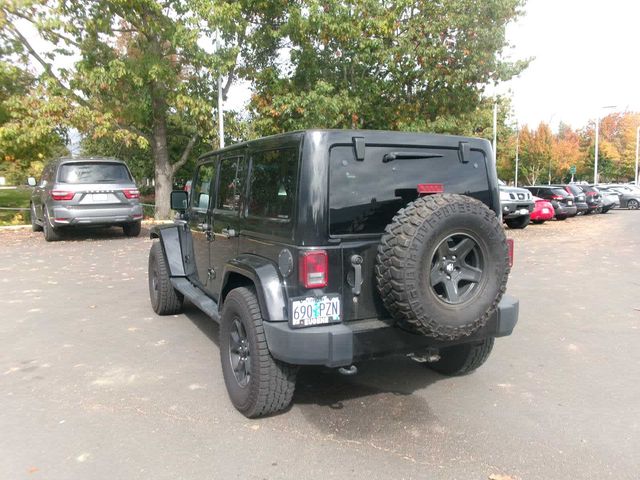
(28, 135)
(391, 65)
(14, 198)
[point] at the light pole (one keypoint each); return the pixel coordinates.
(595, 163)
(637, 141)
(220, 106)
(495, 132)
(517, 151)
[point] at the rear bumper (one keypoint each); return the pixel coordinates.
(566, 211)
(343, 344)
(106, 215)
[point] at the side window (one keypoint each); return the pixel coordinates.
(273, 184)
(201, 190)
(233, 174)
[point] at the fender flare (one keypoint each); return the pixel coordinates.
(169, 236)
(267, 280)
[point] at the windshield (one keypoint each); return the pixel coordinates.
(94, 172)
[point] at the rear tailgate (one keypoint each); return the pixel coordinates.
(364, 196)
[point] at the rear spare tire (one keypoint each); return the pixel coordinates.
(442, 266)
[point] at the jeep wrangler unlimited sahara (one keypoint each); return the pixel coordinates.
(329, 247)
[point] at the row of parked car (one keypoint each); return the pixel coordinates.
(539, 203)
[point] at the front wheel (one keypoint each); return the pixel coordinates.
(519, 222)
(257, 384)
(165, 300)
(633, 204)
(462, 359)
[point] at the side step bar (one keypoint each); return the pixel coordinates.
(195, 296)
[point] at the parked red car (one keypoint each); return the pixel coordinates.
(542, 211)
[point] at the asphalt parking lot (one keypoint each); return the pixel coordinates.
(94, 385)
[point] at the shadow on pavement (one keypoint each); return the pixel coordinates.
(384, 389)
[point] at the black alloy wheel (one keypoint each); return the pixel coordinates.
(457, 268)
(239, 353)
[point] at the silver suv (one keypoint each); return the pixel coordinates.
(85, 192)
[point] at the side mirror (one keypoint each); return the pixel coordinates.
(31, 182)
(179, 200)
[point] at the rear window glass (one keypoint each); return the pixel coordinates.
(93, 172)
(559, 191)
(365, 195)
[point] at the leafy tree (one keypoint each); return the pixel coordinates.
(27, 137)
(143, 76)
(407, 65)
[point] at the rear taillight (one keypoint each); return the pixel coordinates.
(131, 193)
(62, 195)
(314, 269)
(591, 194)
(557, 197)
(510, 249)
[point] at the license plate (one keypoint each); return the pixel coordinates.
(569, 203)
(545, 210)
(99, 197)
(314, 311)
(523, 211)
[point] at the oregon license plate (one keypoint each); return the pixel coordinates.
(314, 311)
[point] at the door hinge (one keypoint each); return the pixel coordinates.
(211, 273)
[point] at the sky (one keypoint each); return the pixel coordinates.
(587, 56)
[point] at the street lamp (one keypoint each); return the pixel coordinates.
(595, 163)
(637, 141)
(517, 150)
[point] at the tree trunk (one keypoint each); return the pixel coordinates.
(163, 169)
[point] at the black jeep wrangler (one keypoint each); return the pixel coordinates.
(328, 247)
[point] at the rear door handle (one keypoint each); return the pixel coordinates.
(356, 263)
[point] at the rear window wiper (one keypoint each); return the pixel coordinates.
(391, 156)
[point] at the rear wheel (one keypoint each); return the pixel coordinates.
(538, 222)
(165, 299)
(34, 219)
(132, 229)
(462, 359)
(51, 234)
(519, 222)
(257, 384)
(633, 204)
(561, 217)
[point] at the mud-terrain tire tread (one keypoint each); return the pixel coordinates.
(169, 301)
(275, 381)
(132, 229)
(394, 249)
(462, 359)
